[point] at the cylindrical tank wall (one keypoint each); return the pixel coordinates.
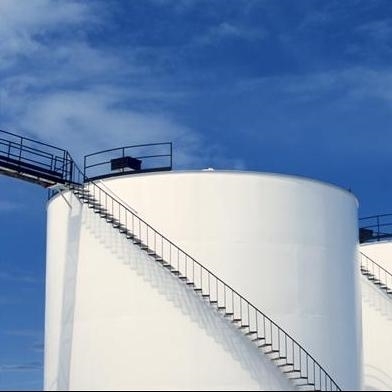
(118, 320)
(288, 244)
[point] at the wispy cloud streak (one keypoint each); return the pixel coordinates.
(22, 277)
(21, 367)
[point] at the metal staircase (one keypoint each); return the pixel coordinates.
(288, 355)
(376, 274)
(293, 360)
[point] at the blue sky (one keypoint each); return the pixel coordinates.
(298, 87)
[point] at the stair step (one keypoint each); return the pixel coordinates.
(175, 272)
(112, 220)
(229, 314)
(265, 345)
(258, 339)
(81, 193)
(182, 278)
(98, 210)
(299, 378)
(271, 351)
(221, 307)
(198, 290)
(236, 320)
(90, 201)
(244, 326)
(278, 358)
(190, 284)
(206, 295)
(284, 365)
(251, 333)
(292, 371)
(213, 302)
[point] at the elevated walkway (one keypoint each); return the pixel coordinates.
(33, 161)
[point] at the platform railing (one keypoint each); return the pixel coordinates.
(287, 352)
(31, 153)
(375, 228)
(152, 157)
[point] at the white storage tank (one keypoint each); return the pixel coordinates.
(377, 315)
(115, 320)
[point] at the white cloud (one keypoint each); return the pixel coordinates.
(24, 333)
(23, 23)
(378, 30)
(9, 206)
(226, 30)
(76, 95)
(19, 276)
(97, 119)
(351, 85)
(86, 121)
(5, 300)
(20, 367)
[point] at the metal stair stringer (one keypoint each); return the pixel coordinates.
(289, 356)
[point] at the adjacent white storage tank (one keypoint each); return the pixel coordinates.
(377, 321)
(287, 244)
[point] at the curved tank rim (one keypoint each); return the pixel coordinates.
(234, 172)
(242, 172)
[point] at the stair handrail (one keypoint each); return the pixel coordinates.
(116, 196)
(379, 268)
(275, 339)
